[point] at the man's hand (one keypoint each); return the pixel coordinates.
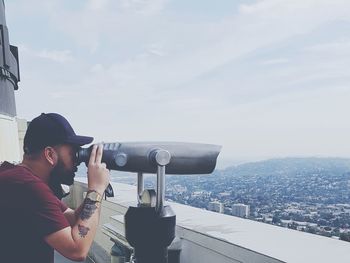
(98, 175)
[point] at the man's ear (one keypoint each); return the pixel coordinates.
(51, 155)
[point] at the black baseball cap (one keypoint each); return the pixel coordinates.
(50, 129)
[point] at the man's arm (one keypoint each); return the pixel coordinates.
(74, 242)
(73, 215)
(70, 215)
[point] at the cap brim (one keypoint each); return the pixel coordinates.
(79, 140)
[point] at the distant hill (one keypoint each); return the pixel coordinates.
(290, 166)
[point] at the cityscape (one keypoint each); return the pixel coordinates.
(305, 194)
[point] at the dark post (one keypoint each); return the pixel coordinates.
(150, 229)
(150, 233)
(9, 69)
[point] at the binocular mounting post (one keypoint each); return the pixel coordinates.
(149, 227)
(140, 186)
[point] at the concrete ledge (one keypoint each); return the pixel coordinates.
(98, 254)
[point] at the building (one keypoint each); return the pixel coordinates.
(216, 207)
(9, 77)
(241, 210)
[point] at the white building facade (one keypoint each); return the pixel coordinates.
(241, 210)
(216, 207)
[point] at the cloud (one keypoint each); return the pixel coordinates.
(341, 46)
(275, 61)
(97, 68)
(56, 56)
(306, 9)
(157, 49)
(253, 80)
(187, 56)
(160, 62)
(60, 56)
(97, 4)
(256, 25)
(144, 7)
(64, 94)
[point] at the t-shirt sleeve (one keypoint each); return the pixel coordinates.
(47, 211)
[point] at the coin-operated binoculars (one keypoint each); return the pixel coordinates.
(150, 226)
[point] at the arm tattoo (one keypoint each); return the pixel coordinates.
(83, 231)
(89, 208)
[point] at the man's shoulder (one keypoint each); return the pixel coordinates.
(30, 191)
(16, 173)
(6, 166)
(23, 181)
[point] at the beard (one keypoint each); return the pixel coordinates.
(61, 175)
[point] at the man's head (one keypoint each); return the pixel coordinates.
(51, 138)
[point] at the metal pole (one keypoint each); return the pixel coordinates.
(140, 186)
(160, 187)
(162, 158)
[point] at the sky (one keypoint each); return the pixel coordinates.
(263, 78)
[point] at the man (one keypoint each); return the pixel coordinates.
(33, 221)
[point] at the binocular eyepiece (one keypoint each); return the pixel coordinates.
(144, 157)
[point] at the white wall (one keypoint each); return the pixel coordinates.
(22, 128)
(9, 143)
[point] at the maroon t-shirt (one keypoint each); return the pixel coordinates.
(29, 211)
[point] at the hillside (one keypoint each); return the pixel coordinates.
(290, 166)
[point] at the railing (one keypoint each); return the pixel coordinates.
(204, 236)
